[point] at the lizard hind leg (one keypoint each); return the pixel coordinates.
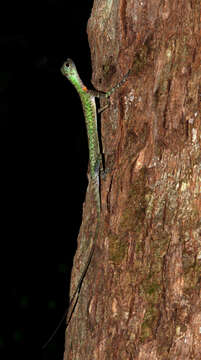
(104, 107)
(99, 166)
(96, 184)
(96, 191)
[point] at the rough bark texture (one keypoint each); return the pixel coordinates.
(141, 297)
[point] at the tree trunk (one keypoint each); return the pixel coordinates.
(141, 297)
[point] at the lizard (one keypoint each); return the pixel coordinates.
(87, 97)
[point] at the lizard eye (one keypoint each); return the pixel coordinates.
(67, 64)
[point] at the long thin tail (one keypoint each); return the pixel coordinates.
(77, 290)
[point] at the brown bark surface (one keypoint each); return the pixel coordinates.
(141, 297)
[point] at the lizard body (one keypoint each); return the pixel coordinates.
(95, 159)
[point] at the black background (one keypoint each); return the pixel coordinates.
(44, 160)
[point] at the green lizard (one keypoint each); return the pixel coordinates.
(95, 159)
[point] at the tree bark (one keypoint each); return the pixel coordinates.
(141, 297)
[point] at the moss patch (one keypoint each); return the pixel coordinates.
(117, 249)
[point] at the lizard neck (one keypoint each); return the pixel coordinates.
(78, 84)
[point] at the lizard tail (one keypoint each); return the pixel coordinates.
(69, 313)
(78, 288)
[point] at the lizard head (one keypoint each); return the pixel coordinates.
(69, 70)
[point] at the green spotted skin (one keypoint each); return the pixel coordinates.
(89, 107)
(87, 97)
